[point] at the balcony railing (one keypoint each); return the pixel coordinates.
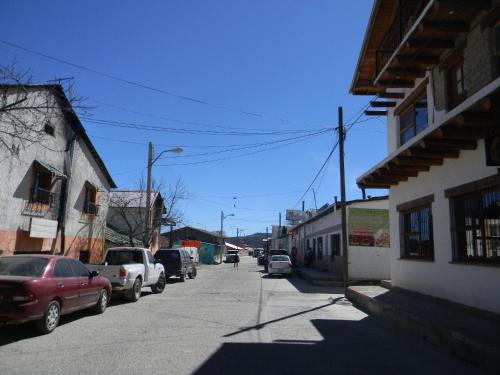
(42, 203)
(91, 209)
(407, 13)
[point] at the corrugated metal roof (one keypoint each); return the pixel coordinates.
(118, 238)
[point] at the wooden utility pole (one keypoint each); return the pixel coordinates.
(221, 235)
(148, 195)
(343, 203)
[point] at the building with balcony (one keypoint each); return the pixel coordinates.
(54, 188)
(433, 69)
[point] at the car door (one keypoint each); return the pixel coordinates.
(67, 284)
(153, 273)
(89, 290)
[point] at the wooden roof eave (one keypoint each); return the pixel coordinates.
(456, 132)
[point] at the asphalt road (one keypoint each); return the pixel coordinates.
(225, 321)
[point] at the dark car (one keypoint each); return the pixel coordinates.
(44, 287)
(177, 262)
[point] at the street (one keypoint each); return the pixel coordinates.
(227, 320)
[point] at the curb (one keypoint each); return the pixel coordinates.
(317, 282)
(453, 341)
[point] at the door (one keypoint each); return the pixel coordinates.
(67, 284)
(89, 291)
(152, 273)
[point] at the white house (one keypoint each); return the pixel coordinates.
(55, 187)
(368, 239)
(434, 68)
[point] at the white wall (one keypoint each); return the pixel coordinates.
(472, 285)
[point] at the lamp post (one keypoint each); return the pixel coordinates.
(151, 161)
(222, 217)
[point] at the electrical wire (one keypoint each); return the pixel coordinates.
(143, 85)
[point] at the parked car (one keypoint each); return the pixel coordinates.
(272, 252)
(177, 262)
(129, 269)
(44, 287)
(279, 264)
(231, 256)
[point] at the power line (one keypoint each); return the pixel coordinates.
(142, 85)
(318, 173)
(249, 196)
(148, 127)
(195, 123)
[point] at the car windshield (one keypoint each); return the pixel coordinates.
(280, 258)
(278, 252)
(165, 255)
(120, 257)
(232, 252)
(22, 266)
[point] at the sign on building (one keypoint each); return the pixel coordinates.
(43, 228)
(368, 227)
(293, 216)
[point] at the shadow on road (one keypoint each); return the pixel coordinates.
(367, 346)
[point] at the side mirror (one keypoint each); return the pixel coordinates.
(94, 274)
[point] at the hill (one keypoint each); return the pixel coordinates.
(252, 240)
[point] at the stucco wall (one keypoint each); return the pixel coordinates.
(467, 284)
(17, 172)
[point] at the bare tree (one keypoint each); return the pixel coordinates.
(27, 108)
(127, 210)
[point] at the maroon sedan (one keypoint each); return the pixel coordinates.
(44, 287)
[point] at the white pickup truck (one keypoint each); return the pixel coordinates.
(129, 269)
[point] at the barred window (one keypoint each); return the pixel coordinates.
(476, 226)
(417, 237)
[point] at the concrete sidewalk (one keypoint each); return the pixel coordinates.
(467, 334)
(319, 278)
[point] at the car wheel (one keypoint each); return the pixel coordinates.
(102, 302)
(183, 276)
(135, 292)
(193, 272)
(50, 319)
(160, 284)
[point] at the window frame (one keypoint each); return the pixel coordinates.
(474, 193)
(453, 98)
(38, 170)
(88, 187)
(412, 107)
(335, 245)
(416, 206)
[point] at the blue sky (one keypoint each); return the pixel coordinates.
(291, 62)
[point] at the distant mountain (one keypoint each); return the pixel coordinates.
(252, 240)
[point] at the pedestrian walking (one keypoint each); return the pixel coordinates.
(236, 261)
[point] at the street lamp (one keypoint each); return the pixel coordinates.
(222, 217)
(151, 161)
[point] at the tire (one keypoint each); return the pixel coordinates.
(102, 302)
(183, 276)
(159, 287)
(192, 274)
(50, 319)
(135, 292)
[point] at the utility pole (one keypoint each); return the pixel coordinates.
(237, 236)
(343, 202)
(221, 235)
(148, 195)
(315, 204)
(267, 238)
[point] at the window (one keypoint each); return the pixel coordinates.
(42, 185)
(417, 238)
(335, 245)
(476, 226)
(22, 266)
(151, 258)
(320, 248)
(78, 268)
(89, 206)
(62, 269)
(413, 120)
(121, 257)
(456, 81)
(49, 129)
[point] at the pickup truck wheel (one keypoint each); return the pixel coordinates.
(50, 319)
(192, 274)
(160, 284)
(102, 302)
(135, 292)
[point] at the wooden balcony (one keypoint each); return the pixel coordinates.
(460, 131)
